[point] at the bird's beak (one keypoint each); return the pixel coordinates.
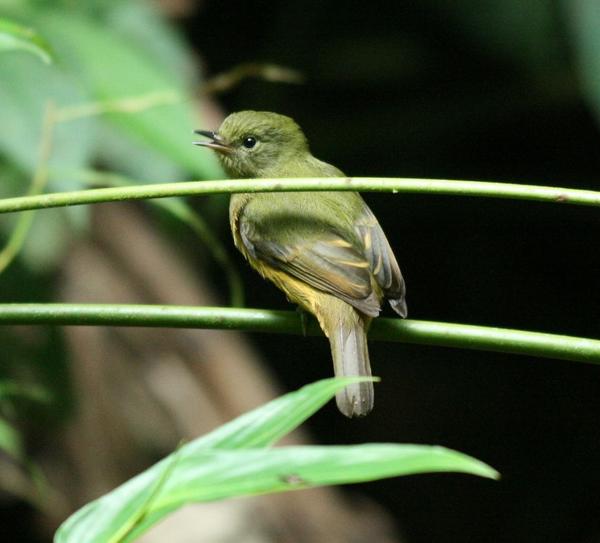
(216, 142)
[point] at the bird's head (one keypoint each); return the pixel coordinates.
(255, 143)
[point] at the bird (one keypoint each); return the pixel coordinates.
(325, 250)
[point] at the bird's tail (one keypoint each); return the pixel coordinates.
(348, 340)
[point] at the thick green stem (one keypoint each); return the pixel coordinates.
(372, 184)
(407, 331)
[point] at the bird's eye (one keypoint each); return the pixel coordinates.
(249, 142)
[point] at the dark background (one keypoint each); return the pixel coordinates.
(410, 89)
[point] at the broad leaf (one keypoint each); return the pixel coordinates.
(233, 461)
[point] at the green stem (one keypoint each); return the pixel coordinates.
(374, 184)
(289, 322)
(40, 179)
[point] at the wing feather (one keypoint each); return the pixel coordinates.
(330, 264)
(383, 264)
(352, 261)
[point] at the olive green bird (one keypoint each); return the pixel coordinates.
(325, 250)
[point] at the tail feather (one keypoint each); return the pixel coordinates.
(351, 357)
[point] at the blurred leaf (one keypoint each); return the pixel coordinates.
(12, 389)
(17, 37)
(584, 18)
(97, 62)
(144, 507)
(132, 158)
(10, 440)
(146, 28)
(232, 461)
(38, 185)
(22, 104)
(112, 69)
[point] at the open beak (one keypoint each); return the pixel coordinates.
(215, 142)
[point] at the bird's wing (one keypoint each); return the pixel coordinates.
(382, 262)
(329, 263)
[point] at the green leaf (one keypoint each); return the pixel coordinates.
(260, 427)
(123, 153)
(215, 475)
(150, 495)
(23, 101)
(232, 461)
(10, 440)
(14, 389)
(112, 68)
(146, 28)
(155, 143)
(269, 423)
(14, 36)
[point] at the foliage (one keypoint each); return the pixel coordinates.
(15, 37)
(235, 460)
(144, 139)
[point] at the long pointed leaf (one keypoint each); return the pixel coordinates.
(217, 474)
(258, 428)
(269, 423)
(226, 474)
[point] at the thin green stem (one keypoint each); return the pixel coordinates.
(38, 183)
(408, 331)
(371, 184)
(53, 116)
